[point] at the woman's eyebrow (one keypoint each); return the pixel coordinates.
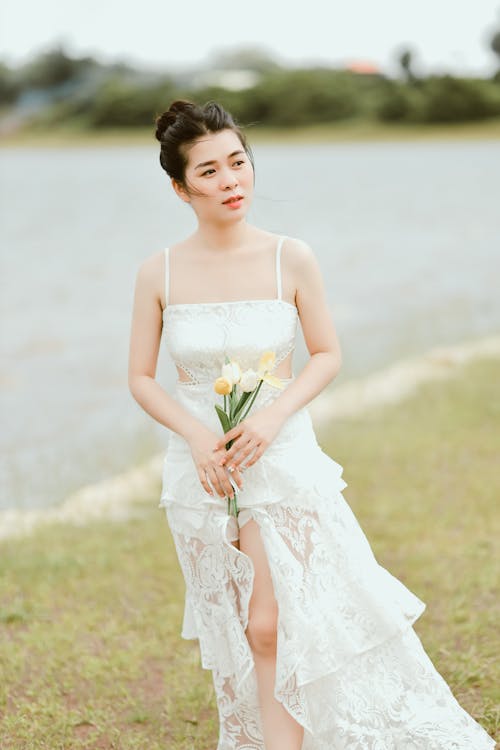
(206, 163)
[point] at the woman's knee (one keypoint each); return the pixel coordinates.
(262, 634)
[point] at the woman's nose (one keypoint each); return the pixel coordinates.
(229, 181)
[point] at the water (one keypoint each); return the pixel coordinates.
(407, 236)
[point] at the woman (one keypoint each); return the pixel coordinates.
(309, 639)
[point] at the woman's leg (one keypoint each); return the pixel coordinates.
(280, 729)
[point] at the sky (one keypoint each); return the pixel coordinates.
(444, 35)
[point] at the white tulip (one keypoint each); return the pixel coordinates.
(249, 380)
(232, 372)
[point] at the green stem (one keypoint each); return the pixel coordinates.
(232, 505)
(254, 396)
(241, 405)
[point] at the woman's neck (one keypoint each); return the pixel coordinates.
(224, 239)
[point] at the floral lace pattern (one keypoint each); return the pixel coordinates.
(242, 330)
(350, 667)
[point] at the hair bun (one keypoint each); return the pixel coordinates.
(168, 118)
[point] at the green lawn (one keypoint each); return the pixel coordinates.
(90, 616)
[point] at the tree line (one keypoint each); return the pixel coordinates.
(57, 89)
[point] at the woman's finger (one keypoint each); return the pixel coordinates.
(261, 448)
(237, 477)
(204, 483)
(237, 446)
(229, 435)
(254, 458)
(216, 483)
(223, 441)
(221, 481)
(214, 479)
(243, 453)
(224, 481)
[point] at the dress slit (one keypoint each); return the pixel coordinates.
(350, 668)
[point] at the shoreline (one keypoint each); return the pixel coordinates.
(399, 380)
(345, 132)
(120, 497)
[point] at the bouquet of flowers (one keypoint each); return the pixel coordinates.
(240, 390)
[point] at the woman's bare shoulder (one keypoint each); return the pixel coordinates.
(297, 252)
(150, 275)
(150, 266)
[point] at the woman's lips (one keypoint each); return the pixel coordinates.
(234, 202)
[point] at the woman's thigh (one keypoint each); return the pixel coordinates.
(262, 602)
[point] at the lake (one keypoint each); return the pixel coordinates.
(407, 236)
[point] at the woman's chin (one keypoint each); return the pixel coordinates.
(234, 217)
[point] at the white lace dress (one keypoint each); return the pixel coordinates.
(350, 667)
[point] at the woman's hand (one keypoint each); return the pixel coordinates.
(254, 433)
(207, 459)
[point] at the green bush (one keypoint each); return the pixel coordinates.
(394, 103)
(449, 99)
(119, 103)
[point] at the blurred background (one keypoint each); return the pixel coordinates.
(376, 134)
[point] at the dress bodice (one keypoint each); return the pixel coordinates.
(199, 335)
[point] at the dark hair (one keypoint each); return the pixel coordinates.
(182, 124)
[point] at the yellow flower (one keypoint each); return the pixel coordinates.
(223, 386)
(266, 364)
(266, 361)
(273, 380)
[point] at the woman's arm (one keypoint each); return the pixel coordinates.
(319, 333)
(145, 337)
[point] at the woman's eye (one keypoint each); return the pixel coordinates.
(240, 161)
(207, 171)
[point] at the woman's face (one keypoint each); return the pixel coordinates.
(218, 167)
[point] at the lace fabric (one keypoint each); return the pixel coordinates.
(242, 330)
(349, 668)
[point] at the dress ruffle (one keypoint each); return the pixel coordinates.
(349, 666)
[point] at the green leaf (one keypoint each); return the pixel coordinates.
(254, 396)
(232, 402)
(244, 398)
(224, 419)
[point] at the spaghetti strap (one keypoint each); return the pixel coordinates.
(167, 270)
(278, 265)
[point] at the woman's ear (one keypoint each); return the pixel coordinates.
(180, 190)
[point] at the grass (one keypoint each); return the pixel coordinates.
(344, 131)
(90, 616)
